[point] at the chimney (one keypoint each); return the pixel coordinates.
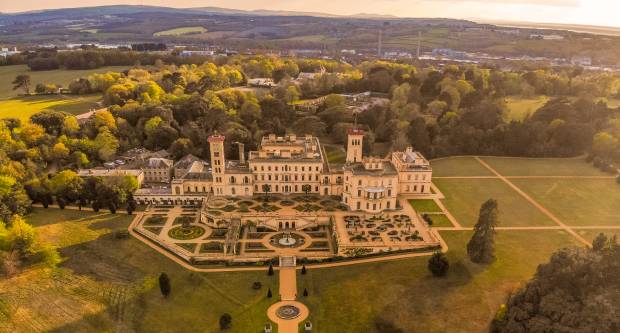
(241, 153)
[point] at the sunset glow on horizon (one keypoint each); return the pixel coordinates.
(582, 12)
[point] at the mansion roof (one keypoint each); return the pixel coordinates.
(358, 168)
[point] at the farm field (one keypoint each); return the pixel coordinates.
(508, 166)
(107, 283)
(24, 107)
(519, 108)
(466, 166)
(59, 76)
(404, 295)
(577, 201)
(464, 197)
(180, 31)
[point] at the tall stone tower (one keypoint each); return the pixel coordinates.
(354, 145)
(218, 163)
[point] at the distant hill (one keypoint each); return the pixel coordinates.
(66, 13)
(290, 30)
(591, 29)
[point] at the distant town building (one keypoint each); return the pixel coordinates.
(449, 53)
(581, 61)
(261, 83)
(188, 53)
(6, 52)
(546, 37)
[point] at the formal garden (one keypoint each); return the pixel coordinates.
(273, 203)
(381, 229)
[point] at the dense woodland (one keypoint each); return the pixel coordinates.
(454, 110)
(577, 291)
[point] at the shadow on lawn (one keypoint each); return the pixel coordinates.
(106, 258)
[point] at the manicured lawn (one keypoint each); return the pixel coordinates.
(403, 293)
(106, 283)
(459, 167)
(60, 76)
(424, 206)
(577, 201)
(181, 31)
(440, 220)
(335, 154)
(507, 166)
(519, 108)
(24, 107)
(464, 197)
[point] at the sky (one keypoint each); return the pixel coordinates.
(587, 12)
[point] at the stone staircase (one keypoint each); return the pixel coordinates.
(288, 261)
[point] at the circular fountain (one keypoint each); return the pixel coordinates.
(288, 312)
(287, 240)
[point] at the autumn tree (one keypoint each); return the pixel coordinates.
(22, 81)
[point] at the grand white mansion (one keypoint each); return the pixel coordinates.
(290, 165)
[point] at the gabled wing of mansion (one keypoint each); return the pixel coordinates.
(292, 165)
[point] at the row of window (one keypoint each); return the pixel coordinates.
(416, 177)
(286, 168)
(358, 205)
(415, 188)
(286, 178)
(284, 188)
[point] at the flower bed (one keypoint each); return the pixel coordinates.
(212, 247)
(156, 220)
(155, 230)
(307, 208)
(266, 208)
(184, 219)
(191, 247)
(218, 233)
(191, 232)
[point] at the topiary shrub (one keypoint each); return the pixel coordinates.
(225, 322)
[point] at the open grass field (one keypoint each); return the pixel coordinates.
(403, 293)
(519, 108)
(24, 107)
(459, 167)
(110, 284)
(60, 76)
(508, 166)
(181, 31)
(464, 197)
(577, 201)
